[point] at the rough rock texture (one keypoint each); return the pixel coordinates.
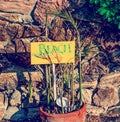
(59, 31)
(16, 11)
(3, 104)
(94, 110)
(107, 94)
(106, 97)
(93, 69)
(16, 31)
(3, 34)
(19, 52)
(22, 31)
(10, 112)
(111, 79)
(88, 93)
(8, 81)
(15, 99)
(50, 6)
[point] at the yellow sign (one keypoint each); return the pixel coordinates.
(52, 52)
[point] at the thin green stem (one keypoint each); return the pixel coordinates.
(30, 89)
(79, 66)
(54, 81)
(48, 92)
(73, 85)
(47, 67)
(62, 100)
(62, 85)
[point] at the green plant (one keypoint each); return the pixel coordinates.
(60, 93)
(60, 79)
(30, 89)
(109, 9)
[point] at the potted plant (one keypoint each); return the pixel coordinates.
(62, 102)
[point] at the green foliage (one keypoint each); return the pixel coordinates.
(109, 9)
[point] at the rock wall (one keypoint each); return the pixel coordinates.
(22, 22)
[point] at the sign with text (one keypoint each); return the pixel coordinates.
(52, 52)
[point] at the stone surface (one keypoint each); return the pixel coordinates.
(3, 104)
(92, 84)
(111, 79)
(11, 80)
(17, 12)
(112, 48)
(3, 34)
(15, 99)
(87, 95)
(106, 97)
(17, 6)
(22, 31)
(93, 118)
(93, 69)
(113, 111)
(18, 46)
(15, 18)
(19, 115)
(8, 81)
(94, 110)
(87, 85)
(14, 31)
(32, 31)
(18, 52)
(2, 22)
(43, 6)
(33, 76)
(59, 32)
(14, 114)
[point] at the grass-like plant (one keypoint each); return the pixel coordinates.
(61, 95)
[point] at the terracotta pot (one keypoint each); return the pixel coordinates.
(76, 116)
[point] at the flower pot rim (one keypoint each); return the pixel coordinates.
(73, 113)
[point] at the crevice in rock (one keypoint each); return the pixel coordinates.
(11, 12)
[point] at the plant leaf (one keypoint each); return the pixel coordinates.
(102, 11)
